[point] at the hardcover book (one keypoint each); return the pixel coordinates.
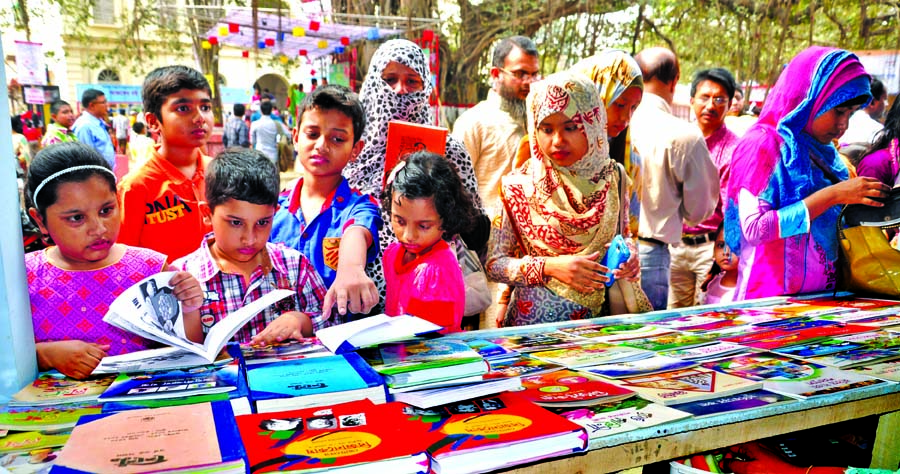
(54, 388)
(688, 385)
(567, 388)
(316, 381)
(189, 438)
(732, 403)
(355, 437)
(591, 354)
(404, 138)
(618, 417)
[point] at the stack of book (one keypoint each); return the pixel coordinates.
(426, 363)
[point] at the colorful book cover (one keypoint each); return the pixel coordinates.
(591, 354)
(618, 417)
(817, 348)
(33, 462)
(151, 360)
(791, 377)
(159, 439)
(805, 309)
(26, 441)
(45, 418)
(394, 358)
(616, 332)
(539, 341)
(314, 376)
(519, 366)
(845, 302)
(287, 350)
(491, 433)
(491, 350)
(650, 365)
(682, 386)
(889, 371)
(175, 383)
(668, 342)
(343, 435)
(709, 351)
(53, 388)
(731, 403)
(880, 320)
(856, 357)
(875, 339)
(565, 387)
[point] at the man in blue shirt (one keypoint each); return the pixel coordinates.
(91, 129)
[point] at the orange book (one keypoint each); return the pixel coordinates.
(407, 137)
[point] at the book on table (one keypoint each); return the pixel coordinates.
(710, 351)
(26, 441)
(650, 365)
(404, 138)
(354, 437)
(856, 357)
(521, 365)
(150, 309)
(615, 332)
(607, 419)
(888, 371)
(567, 388)
(491, 350)
(317, 381)
(429, 360)
(880, 339)
(150, 360)
(432, 397)
(373, 330)
(733, 403)
(594, 353)
(283, 351)
(792, 377)
(490, 433)
(687, 385)
(539, 341)
(205, 379)
(54, 388)
(665, 342)
(817, 347)
(46, 417)
(36, 461)
(190, 438)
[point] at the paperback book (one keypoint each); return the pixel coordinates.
(688, 385)
(816, 348)
(539, 341)
(646, 366)
(54, 388)
(404, 138)
(491, 350)
(733, 403)
(27, 441)
(151, 360)
(856, 357)
(175, 383)
(283, 351)
(616, 332)
(433, 397)
(150, 309)
(373, 330)
(875, 339)
(520, 366)
(668, 342)
(710, 351)
(46, 417)
(592, 354)
(32, 462)
(567, 388)
(888, 371)
(626, 415)
(429, 360)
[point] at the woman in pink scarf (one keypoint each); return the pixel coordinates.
(788, 182)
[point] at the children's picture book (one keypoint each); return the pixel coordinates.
(876, 339)
(856, 357)
(490, 433)
(54, 388)
(616, 332)
(818, 347)
(454, 393)
(239, 400)
(35, 461)
(45, 418)
(175, 383)
(618, 417)
(688, 385)
(150, 360)
(316, 381)
(27, 441)
(666, 342)
(424, 361)
(591, 354)
(519, 366)
(491, 350)
(567, 388)
(792, 377)
(888, 371)
(285, 350)
(709, 351)
(733, 403)
(404, 138)
(539, 341)
(847, 301)
(650, 365)
(182, 438)
(150, 309)
(355, 437)
(373, 330)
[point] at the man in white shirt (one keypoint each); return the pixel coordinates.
(681, 183)
(864, 123)
(265, 131)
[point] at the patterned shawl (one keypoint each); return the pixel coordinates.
(565, 210)
(774, 159)
(614, 71)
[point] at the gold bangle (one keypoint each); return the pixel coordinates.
(809, 469)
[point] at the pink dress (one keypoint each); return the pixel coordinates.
(430, 287)
(71, 304)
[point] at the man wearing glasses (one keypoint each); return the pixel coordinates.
(712, 92)
(492, 130)
(90, 128)
(681, 183)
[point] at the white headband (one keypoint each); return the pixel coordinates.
(67, 170)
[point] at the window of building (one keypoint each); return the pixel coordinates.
(108, 75)
(104, 12)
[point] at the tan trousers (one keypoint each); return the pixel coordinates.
(690, 265)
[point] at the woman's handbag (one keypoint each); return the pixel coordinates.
(625, 297)
(871, 265)
(478, 297)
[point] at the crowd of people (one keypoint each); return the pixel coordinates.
(538, 179)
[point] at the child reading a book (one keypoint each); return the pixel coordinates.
(236, 264)
(427, 204)
(162, 201)
(334, 226)
(722, 278)
(71, 196)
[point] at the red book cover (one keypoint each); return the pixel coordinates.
(407, 137)
(567, 388)
(330, 437)
(490, 433)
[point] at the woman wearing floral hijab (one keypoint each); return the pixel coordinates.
(561, 209)
(397, 88)
(788, 182)
(621, 86)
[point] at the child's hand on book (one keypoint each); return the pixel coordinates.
(73, 358)
(290, 325)
(187, 290)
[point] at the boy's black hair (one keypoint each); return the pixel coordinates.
(54, 108)
(89, 96)
(265, 107)
(167, 80)
(59, 157)
(720, 76)
(239, 110)
(139, 128)
(429, 175)
(242, 174)
(340, 98)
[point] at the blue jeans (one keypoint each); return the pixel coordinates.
(655, 265)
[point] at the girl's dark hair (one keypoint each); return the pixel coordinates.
(890, 131)
(17, 124)
(428, 175)
(59, 157)
(715, 269)
(242, 174)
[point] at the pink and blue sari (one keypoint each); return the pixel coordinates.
(776, 165)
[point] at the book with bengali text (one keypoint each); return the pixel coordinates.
(404, 138)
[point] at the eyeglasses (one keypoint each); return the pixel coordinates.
(718, 100)
(522, 75)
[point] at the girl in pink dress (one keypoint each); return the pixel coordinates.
(427, 206)
(71, 196)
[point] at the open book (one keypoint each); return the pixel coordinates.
(150, 309)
